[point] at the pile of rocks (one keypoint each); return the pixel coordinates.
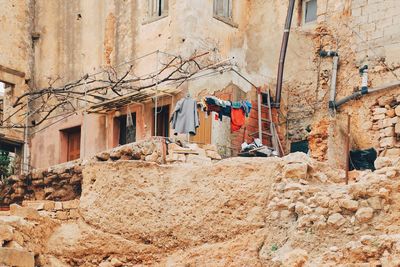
(386, 124)
(192, 154)
(315, 203)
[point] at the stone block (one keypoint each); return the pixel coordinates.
(387, 142)
(62, 215)
(378, 117)
(397, 109)
(364, 214)
(397, 128)
(213, 154)
(6, 233)
(348, 204)
(393, 152)
(104, 156)
(379, 110)
(58, 205)
(382, 162)
(388, 131)
(16, 257)
(24, 212)
(72, 204)
(210, 147)
(390, 113)
(336, 220)
(152, 158)
(383, 100)
(76, 179)
(37, 205)
(296, 170)
(49, 205)
(74, 214)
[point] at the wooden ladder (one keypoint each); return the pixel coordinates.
(270, 132)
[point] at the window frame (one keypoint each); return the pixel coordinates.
(304, 11)
(226, 19)
(155, 12)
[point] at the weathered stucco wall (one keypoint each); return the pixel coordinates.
(79, 37)
(15, 57)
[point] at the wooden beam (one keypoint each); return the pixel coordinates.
(12, 71)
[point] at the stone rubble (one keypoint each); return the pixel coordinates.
(63, 182)
(292, 211)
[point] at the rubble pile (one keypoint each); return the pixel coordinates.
(291, 211)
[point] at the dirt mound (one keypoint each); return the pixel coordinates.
(237, 212)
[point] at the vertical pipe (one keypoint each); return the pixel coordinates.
(348, 149)
(282, 56)
(156, 99)
(25, 161)
(259, 114)
(332, 98)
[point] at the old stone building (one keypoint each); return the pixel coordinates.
(52, 44)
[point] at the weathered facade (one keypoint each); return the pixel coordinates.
(61, 41)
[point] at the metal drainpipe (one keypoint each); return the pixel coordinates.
(332, 92)
(282, 56)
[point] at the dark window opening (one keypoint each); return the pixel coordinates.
(127, 130)
(162, 121)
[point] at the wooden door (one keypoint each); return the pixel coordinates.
(74, 145)
(203, 133)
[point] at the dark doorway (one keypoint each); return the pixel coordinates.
(71, 143)
(127, 133)
(162, 121)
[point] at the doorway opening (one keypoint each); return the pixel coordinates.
(127, 129)
(162, 121)
(70, 144)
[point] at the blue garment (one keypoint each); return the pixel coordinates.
(244, 104)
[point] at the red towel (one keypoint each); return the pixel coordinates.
(237, 119)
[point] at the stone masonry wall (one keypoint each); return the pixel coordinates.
(385, 115)
(377, 23)
(63, 182)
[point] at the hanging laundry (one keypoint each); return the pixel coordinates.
(237, 119)
(130, 128)
(185, 118)
(222, 107)
(244, 104)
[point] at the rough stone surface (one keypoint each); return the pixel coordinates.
(365, 214)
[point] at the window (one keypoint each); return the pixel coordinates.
(158, 8)
(223, 9)
(309, 11)
(6, 98)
